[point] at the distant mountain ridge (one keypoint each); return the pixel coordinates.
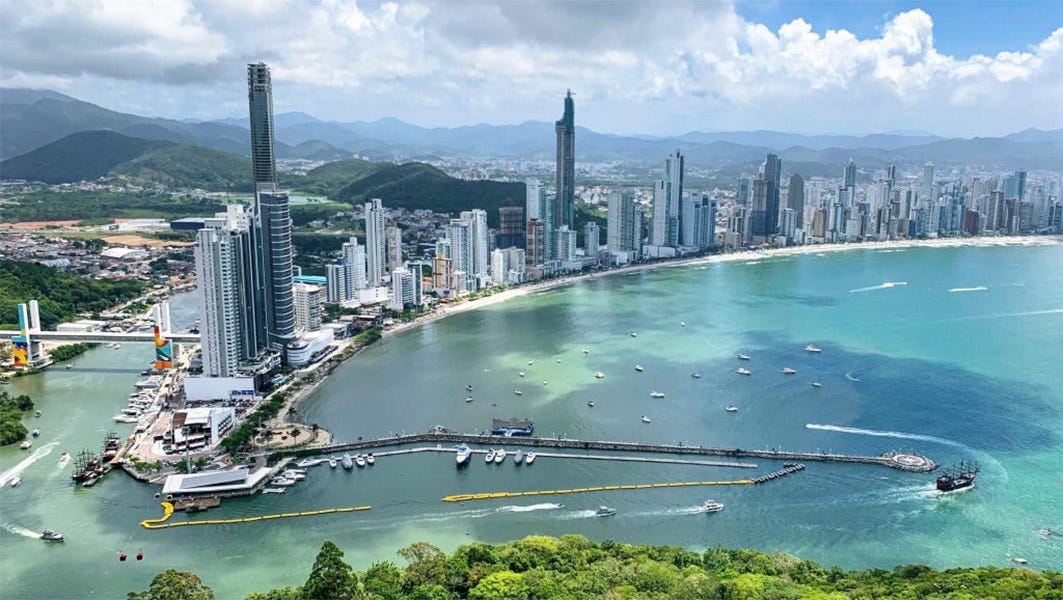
(32, 118)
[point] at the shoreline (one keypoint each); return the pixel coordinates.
(736, 256)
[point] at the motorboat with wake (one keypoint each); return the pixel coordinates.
(605, 511)
(590, 403)
(599, 375)
(518, 393)
(817, 384)
(695, 375)
(639, 368)
(712, 506)
(645, 419)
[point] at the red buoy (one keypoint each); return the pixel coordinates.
(121, 556)
(140, 555)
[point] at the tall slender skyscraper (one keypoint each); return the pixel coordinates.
(795, 199)
(374, 242)
(674, 167)
(621, 223)
(219, 295)
(566, 165)
(850, 175)
(260, 103)
(772, 177)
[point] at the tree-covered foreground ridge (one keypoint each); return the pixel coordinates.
(574, 568)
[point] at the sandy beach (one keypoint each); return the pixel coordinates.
(446, 310)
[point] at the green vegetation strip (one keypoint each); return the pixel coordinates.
(60, 295)
(11, 410)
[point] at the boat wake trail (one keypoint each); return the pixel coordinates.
(19, 530)
(25, 463)
(882, 286)
(980, 288)
(520, 509)
(672, 512)
(850, 377)
(580, 514)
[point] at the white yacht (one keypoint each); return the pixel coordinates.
(744, 371)
(359, 460)
(788, 371)
(489, 457)
(468, 398)
(816, 384)
(656, 394)
(695, 375)
(590, 403)
(812, 349)
(731, 408)
(309, 462)
(50, 535)
(605, 511)
(586, 351)
(599, 375)
(645, 419)
(500, 456)
(639, 368)
(712, 506)
(332, 462)
(529, 458)
(518, 393)
(370, 459)
(521, 373)
(463, 456)
(634, 334)
(743, 357)
(282, 481)
(273, 490)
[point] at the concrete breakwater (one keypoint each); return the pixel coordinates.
(905, 462)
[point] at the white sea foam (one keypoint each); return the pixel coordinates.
(980, 288)
(579, 514)
(882, 286)
(25, 463)
(19, 530)
(520, 509)
(890, 434)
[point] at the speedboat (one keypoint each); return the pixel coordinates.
(531, 362)
(464, 456)
(1046, 532)
(16, 481)
(743, 357)
(468, 399)
(744, 371)
(469, 387)
(712, 506)
(26, 444)
(500, 456)
(51, 535)
(292, 474)
(656, 394)
(590, 403)
(558, 361)
(518, 393)
(64, 459)
(359, 460)
(605, 511)
(347, 462)
(530, 458)
(36, 432)
(695, 375)
(273, 490)
(370, 459)
(1019, 561)
(518, 458)
(788, 371)
(599, 375)
(731, 408)
(521, 373)
(633, 334)
(545, 382)
(282, 481)
(812, 349)
(490, 456)
(309, 462)
(817, 384)
(645, 419)
(639, 368)
(682, 323)
(332, 462)
(586, 351)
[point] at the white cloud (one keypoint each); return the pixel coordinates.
(647, 67)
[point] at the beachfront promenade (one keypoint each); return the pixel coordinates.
(905, 462)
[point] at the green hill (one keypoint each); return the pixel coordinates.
(184, 166)
(419, 186)
(61, 295)
(78, 156)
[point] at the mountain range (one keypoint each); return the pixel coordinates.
(30, 119)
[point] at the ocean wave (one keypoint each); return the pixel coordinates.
(980, 288)
(889, 251)
(882, 286)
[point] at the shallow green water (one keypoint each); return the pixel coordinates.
(954, 374)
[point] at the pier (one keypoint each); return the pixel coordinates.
(915, 463)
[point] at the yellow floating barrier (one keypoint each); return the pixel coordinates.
(602, 488)
(167, 513)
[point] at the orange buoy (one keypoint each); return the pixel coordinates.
(121, 556)
(140, 555)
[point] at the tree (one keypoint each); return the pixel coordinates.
(174, 585)
(383, 580)
(428, 564)
(331, 578)
(503, 585)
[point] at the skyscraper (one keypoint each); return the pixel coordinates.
(478, 247)
(275, 248)
(394, 247)
(850, 175)
(772, 177)
(219, 295)
(795, 199)
(374, 242)
(621, 223)
(673, 177)
(659, 224)
(565, 128)
(354, 261)
(510, 226)
(699, 221)
(926, 192)
(260, 104)
(591, 241)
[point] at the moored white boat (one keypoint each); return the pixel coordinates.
(273, 490)
(743, 357)
(599, 375)
(500, 456)
(529, 458)
(489, 457)
(463, 456)
(332, 462)
(370, 459)
(359, 460)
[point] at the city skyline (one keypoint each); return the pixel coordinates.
(793, 67)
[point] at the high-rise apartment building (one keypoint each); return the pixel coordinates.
(217, 274)
(659, 224)
(795, 199)
(565, 244)
(260, 105)
(534, 199)
(275, 247)
(699, 221)
(772, 178)
(926, 192)
(535, 249)
(393, 235)
(591, 238)
(308, 302)
(674, 168)
(510, 227)
(849, 177)
(374, 242)
(354, 259)
(565, 198)
(624, 224)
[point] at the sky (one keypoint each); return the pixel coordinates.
(661, 68)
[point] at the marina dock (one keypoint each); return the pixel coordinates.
(915, 463)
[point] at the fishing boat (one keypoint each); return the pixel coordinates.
(489, 457)
(639, 368)
(743, 357)
(347, 462)
(518, 458)
(529, 458)
(500, 456)
(744, 371)
(812, 349)
(788, 371)
(605, 511)
(464, 456)
(731, 408)
(712, 506)
(599, 375)
(370, 459)
(645, 419)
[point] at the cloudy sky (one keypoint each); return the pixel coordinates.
(664, 67)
